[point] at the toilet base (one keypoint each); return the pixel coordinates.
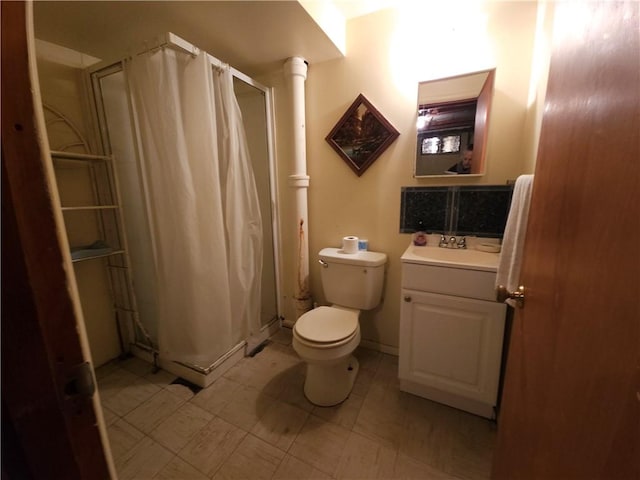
(326, 386)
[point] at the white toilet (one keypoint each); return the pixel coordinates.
(325, 337)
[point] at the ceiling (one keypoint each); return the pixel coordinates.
(357, 8)
(253, 36)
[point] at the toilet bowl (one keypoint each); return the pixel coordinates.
(325, 339)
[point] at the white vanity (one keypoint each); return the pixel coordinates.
(451, 327)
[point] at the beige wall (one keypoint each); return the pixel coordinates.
(538, 86)
(385, 61)
(388, 53)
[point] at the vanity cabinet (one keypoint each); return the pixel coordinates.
(451, 334)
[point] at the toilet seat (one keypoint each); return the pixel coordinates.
(326, 327)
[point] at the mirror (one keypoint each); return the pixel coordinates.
(452, 124)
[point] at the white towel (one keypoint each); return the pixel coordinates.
(514, 234)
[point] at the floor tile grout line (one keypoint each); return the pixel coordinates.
(381, 375)
(220, 466)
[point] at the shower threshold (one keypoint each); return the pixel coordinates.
(200, 376)
(205, 376)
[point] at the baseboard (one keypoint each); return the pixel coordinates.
(380, 347)
(288, 323)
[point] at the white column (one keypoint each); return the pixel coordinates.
(295, 69)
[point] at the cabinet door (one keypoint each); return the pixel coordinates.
(450, 349)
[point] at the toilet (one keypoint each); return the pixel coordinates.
(326, 337)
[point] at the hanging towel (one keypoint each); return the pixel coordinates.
(514, 234)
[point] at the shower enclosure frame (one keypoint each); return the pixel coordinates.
(93, 75)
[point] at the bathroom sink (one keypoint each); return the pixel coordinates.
(455, 258)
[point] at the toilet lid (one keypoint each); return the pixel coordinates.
(326, 324)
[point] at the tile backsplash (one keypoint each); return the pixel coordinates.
(468, 210)
(424, 209)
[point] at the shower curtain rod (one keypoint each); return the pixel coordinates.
(170, 39)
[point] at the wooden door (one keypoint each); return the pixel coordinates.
(571, 403)
(48, 429)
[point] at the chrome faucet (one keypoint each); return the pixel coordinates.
(452, 242)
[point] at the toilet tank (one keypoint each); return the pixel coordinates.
(352, 280)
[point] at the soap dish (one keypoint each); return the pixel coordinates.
(488, 247)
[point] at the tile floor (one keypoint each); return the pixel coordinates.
(255, 423)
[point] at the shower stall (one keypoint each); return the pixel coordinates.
(192, 142)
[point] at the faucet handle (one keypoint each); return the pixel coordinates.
(443, 241)
(462, 243)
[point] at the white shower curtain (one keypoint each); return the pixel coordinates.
(202, 204)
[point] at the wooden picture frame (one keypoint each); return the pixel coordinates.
(361, 135)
